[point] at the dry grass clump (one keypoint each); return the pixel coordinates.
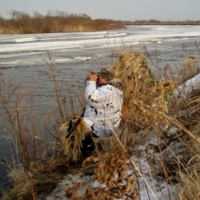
(190, 187)
(189, 69)
(189, 178)
(71, 146)
(111, 173)
(195, 129)
(121, 137)
(41, 177)
(145, 99)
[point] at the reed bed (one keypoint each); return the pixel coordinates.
(54, 21)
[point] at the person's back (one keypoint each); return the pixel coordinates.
(101, 117)
(104, 105)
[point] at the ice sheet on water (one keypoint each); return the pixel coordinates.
(78, 39)
(91, 41)
(186, 88)
(15, 39)
(71, 37)
(18, 38)
(14, 63)
(54, 45)
(82, 58)
(75, 59)
(117, 35)
(39, 46)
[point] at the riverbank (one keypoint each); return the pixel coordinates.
(160, 159)
(156, 22)
(145, 156)
(52, 22)
(162, 23)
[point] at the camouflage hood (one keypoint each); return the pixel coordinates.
(116, 82)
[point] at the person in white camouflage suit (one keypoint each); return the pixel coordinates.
(104, 97)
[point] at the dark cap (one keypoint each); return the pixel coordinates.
(105, 73)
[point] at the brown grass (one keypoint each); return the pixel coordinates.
(34, 139)
(41, 177)
(190, 177)
(111, 165)
(53, 21)
(189, 69)
(147, 110)
(138, 81)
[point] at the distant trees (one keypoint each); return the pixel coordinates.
(157, 22)
(154, 22)
(54, 21)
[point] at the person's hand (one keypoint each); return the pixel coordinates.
(93, 76)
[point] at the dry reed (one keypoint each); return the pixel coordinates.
(111, 172)
(146, 107)
(138, 81)
(53, 21)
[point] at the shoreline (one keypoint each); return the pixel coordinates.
(163, 24)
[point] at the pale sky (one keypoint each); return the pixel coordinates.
(111, 9)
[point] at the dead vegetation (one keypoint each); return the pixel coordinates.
(52, 22)
(138, 81)
(37, 161)
(71, 146)
(189, 177)
(111, 172)
(41, 177)
(148, 113)
(185, 74)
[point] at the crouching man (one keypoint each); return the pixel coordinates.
(102, 115)
(104, 104)
(104, 99)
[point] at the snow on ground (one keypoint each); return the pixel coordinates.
(152, 186)
(186, 88)
(149, 189)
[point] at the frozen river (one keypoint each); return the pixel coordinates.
(22, 57)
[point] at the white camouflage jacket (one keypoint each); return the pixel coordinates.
(104, 108)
